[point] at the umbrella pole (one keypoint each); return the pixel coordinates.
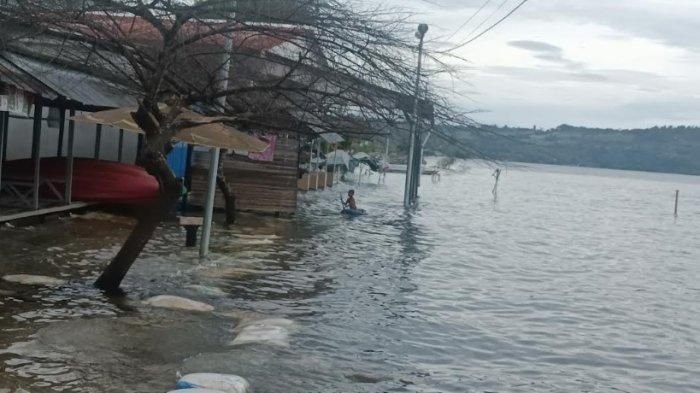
(224, 73)
(209, 207)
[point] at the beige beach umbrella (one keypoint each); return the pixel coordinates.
(205, 130)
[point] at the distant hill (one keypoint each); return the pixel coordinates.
(657, 149)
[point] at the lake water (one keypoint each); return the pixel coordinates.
(572, 280)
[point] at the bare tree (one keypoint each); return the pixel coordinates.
(312, 67)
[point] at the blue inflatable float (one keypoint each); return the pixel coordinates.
(353, 212)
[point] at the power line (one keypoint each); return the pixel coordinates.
(483, 22)
(488, 28)
(470, 19)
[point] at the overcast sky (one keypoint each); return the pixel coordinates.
(603, 63)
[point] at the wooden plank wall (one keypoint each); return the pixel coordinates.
(262, 187)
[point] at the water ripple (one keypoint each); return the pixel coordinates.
(573, 280)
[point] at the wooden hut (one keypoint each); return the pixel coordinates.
(268, 187)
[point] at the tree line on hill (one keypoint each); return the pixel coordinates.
(656, 149)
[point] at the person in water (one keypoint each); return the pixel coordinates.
(350, 203)
(496, 175)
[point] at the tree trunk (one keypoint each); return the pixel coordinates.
(170, 187)
(229, 198)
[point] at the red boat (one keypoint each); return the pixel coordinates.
(93, 180)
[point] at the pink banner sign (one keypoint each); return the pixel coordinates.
(269, 153)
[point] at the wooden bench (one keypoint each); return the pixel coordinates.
(191, 225)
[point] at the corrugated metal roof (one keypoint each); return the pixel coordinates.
(13, 75)
(73, 85)
(138, 30)
(331, 137)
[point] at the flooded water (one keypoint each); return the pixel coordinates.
(572, 280)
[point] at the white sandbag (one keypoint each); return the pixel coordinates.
(30, 279)
(272, 331)
(225, 383)
(195, 390)
(271, 335)
(282, 322)
(178, 303)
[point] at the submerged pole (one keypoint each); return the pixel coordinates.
(61, 131)
(335, 161)
(3, 141)
(675, 207)
(417, 167)
(6, 127)
(36, 152)
(359, 176)
(98, 141)
(316, 164)
(215, 152)
(311, 157)
(120, 146)
(386, 150)
(423, 143)
(408, 199)
(68, 196)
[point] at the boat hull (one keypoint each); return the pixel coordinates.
(93, 180)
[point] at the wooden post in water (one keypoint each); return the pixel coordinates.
(36, 151)
(120, 146)
(318, 157)
(675, 207)
(98, 141)
(61, 131)
(68, 193)
(3, 141)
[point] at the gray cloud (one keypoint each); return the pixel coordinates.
(673, 24)
(641, 80)
(536, 46)
(547, 52)
(572, 70)
(544, 75)
(515, 93)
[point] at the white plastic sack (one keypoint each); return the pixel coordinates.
(31, 279)
(271, 331)
(224, 383)
(177, 303)
(195, 390)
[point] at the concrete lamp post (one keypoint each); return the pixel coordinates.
(411, 167)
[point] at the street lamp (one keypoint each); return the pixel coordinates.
(411, 176)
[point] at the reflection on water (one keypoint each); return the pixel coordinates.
(573, 280)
